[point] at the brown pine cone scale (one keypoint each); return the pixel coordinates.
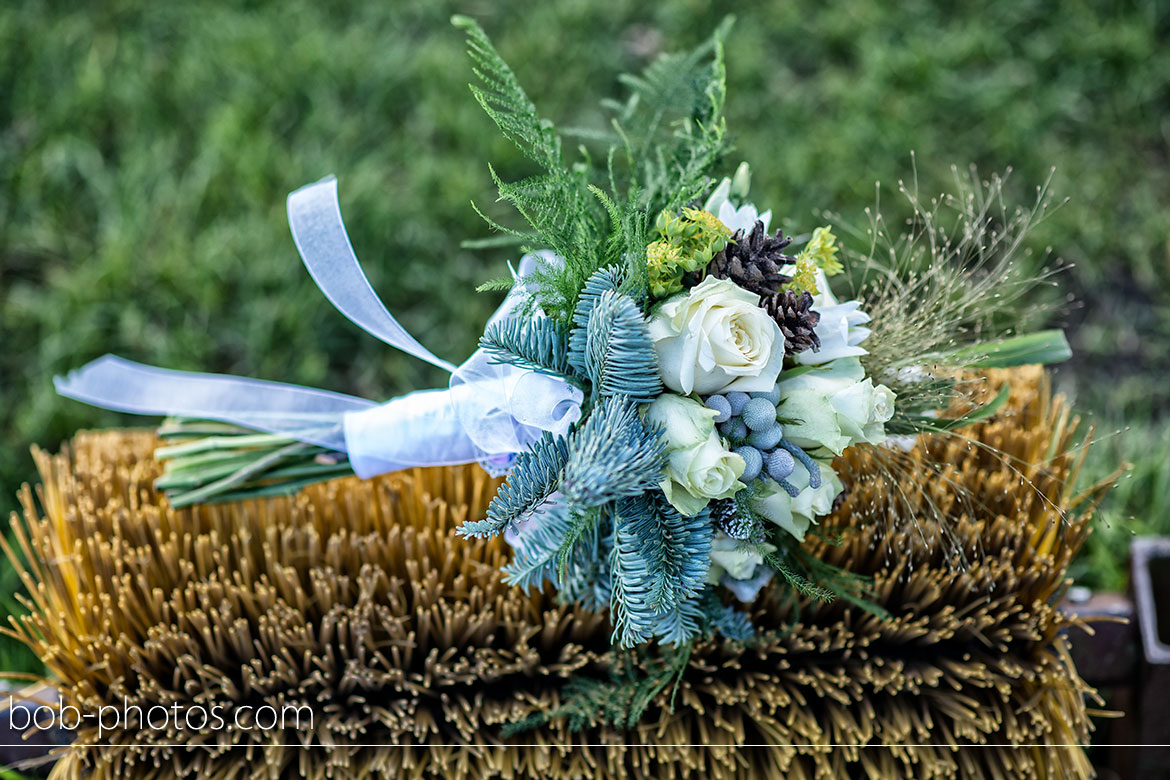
(796, 319)
(753, 261)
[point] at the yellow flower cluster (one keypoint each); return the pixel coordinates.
(686, 243)
(820, 252)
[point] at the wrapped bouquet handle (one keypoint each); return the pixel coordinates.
(476, 418)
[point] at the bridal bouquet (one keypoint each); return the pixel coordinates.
(668, 383)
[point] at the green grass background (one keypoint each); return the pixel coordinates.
(145, 152)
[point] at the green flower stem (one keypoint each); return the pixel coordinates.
(215, 443)
(214, 462)
(241, 476)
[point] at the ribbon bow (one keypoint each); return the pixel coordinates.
(488, 412)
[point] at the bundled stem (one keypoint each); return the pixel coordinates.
(211, 462)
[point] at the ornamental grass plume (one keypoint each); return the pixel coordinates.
(354, 599)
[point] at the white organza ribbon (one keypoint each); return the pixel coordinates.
(489, 411)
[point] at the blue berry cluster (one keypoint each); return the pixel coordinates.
(749, 421)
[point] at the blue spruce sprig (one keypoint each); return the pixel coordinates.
(722, 619)
(533, 344)
(613, 455)
(602, 280)
(658, 567)
(630, 611)
(536, 476)
(619, 355)
(676, 549)
(610, 344)
(681, 623)
(535, 558)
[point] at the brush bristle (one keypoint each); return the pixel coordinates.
(357, 600)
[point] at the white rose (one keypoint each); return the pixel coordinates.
(835, 407)
(698, 474)
(716, 338)
(881, 405)
(698, 466)
(684, 422)
(795, 515)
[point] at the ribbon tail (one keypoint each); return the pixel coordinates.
(314, 217)
(303, 413)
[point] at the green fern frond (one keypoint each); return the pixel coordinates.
(505, 101)
(672, 132)
(672, 127)
(504, 284)
(536, 476)
(582, 524)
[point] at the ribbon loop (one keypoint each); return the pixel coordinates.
(489, 412)
(314, 217)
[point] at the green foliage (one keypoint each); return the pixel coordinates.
(821, 249)
(609, 343)
(618, 700)
(724, 620)
(686, 243)
(589, 233)
(536, 476)
(557, 202)
(1134, 507)
(530, 343)
(208, 462)
(672, 126)
(505, 101)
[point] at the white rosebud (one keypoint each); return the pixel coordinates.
(735, 558)
(881, 405)
(696, 475)
(835, 407)
(795, 515)
(685, 423)
(698, 465)
(716, 338)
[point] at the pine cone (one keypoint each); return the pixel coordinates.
(727, 517)
(796, 320)
(753, 261)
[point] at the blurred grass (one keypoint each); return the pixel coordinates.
(145, 152)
